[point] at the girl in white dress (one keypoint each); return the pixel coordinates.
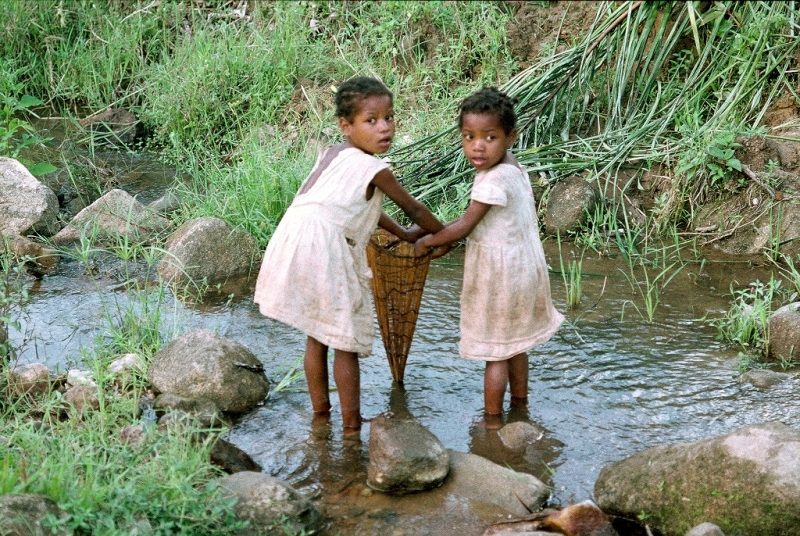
(506, 307)
(314, 275)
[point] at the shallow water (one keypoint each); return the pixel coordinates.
(607, 385)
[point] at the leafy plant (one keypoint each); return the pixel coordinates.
(17, 135)
(746, 322)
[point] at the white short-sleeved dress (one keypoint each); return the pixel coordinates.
(314, 275)
(506, 305)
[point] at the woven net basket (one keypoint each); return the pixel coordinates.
(398, 278)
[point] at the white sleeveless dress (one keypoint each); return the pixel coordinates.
(314, 275)
(506, 305)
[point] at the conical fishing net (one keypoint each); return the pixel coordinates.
(398, 278)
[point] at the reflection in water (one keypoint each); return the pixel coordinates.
(537, 458)
(606, 386)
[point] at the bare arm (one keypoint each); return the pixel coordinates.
(388, 223)
(454, 230)
(415, 210)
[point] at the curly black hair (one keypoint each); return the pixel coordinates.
(491, 101)
(354, 90)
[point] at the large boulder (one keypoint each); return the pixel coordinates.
(203, 365)
(207, 249)
(745, 482)
(26, 205)
(116, 214)
(271, 506)
(404, 456)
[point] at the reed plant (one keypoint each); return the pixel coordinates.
(629, 94)
(649, 287)
(572, 276)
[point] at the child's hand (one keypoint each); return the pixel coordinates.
(440, 251)
(420, 248)
(414, 233)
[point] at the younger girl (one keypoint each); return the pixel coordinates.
(506, 308)
(314, 276)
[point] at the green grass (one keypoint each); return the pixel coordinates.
(106, 485)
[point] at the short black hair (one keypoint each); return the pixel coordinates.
(490, 101)
(356, 89)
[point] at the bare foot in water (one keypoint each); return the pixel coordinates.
(321, 417)
(351, 424)
(491, 421)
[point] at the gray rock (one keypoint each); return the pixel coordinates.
(33, 379)
(404, 456)
(231, 458)
(116, 214)
(478, 479)
(746, 482)
(203, 365)
(705, 529)
(788, 152)
(763, 378)
(166, 204)
(784, 334)
(270, 504)
(203, 410)
(132, 434)
(568, 204)
(518, 435)
(26, 205)
(115, 127)
(22, 515)
(207, 249)
(40, 258)
(725, 217)
(82, 397)
(125, 368)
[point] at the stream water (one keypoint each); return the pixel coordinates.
(607, 385)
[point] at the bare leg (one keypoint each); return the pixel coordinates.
(495, 378)
(315, 365)
(518, 380)
(347, 375)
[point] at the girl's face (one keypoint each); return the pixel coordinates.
(371, 128)
(484, 141)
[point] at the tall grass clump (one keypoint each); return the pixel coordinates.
(746, 322)
(86, 54)
(222, 80)
(572, 275)
(254, 190)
